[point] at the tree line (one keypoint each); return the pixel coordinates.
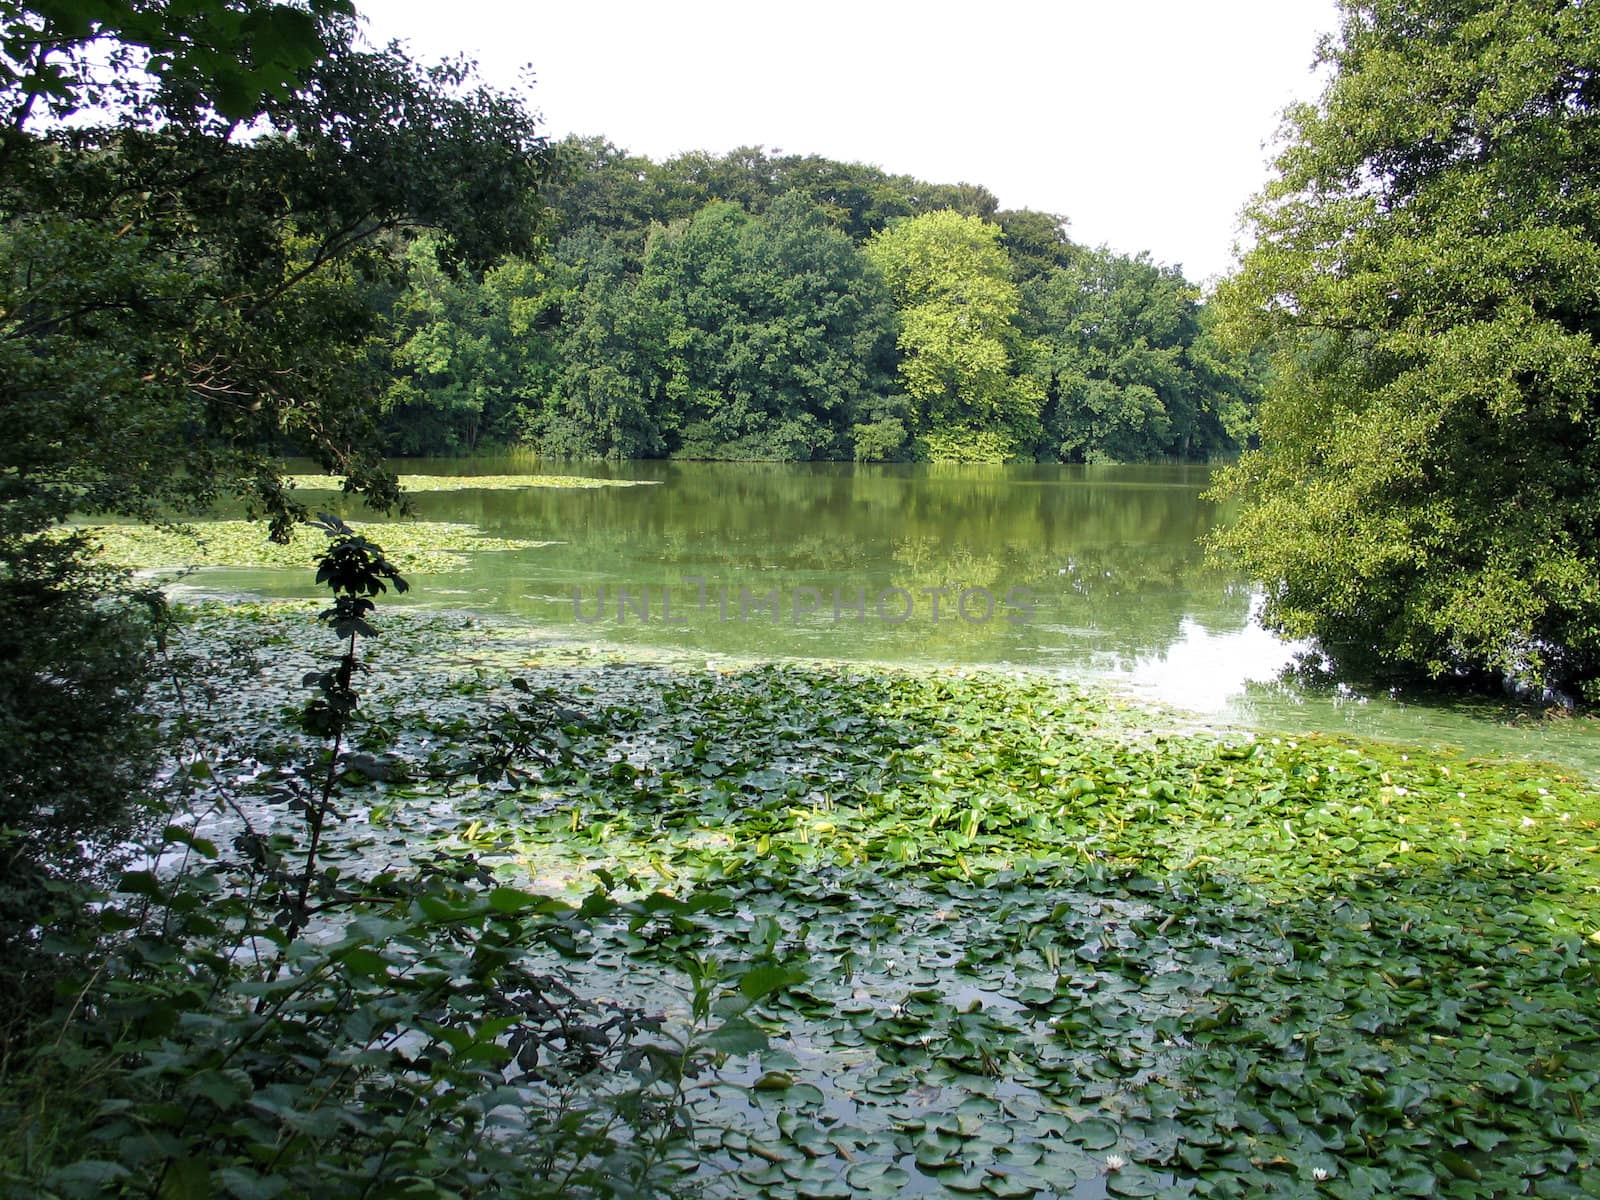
(756, 306)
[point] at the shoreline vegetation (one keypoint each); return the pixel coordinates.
(769, 307)
(452, 483)
(418, 547)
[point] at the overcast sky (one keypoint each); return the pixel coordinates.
(1147, 124)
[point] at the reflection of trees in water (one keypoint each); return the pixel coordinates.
(860, 506)
(925, 561)
(1109, 554)
(1133, 600)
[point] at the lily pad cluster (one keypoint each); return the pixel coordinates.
(418, 547)
(1002, 940)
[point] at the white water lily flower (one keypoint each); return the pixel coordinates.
(1320, 1174)
(1115, 1162)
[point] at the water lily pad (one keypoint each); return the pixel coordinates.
(832, 1188)
(966, 1180)
(1093, 1134)
(1227, 1022)
(1023, 1154)
(932, 1155)
(1136, 1181)
(877, 1179)
(1010, 1185)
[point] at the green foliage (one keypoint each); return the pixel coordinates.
(416, 1040)
(711, 307)
(620, 194)
(355, 570)
(879, 441)
(1036, 243)
(1035, 941)
(773, 333)
(228, 57)
(960, 347)
(471, 355)
(963, 445)
(1034, 934)
(1424, 273)
(600, 407)
(740, 337)
(1131, 373)
(474, 483)
(999, 930)
(75, 753)
(422, 547)
(179, 306)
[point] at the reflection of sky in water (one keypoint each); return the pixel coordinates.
(1205, 671)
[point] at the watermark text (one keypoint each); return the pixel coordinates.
(696, 598)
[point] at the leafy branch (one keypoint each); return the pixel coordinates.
(356, 570)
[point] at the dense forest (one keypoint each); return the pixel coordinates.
(756, 306)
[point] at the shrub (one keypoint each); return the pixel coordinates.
(75, 751)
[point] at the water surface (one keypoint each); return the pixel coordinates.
(1090, 572)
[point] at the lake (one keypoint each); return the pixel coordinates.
(1092, 572)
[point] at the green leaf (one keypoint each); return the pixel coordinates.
(140, 883)
(1093, 1134)
(187, 837)
(85, 1177)
(186, 1179)
(515, 900)
(736, 1036)
(759, 982)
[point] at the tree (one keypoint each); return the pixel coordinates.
(470, 355)
(57, 57)
(774, 328)
(1036, 243)
(622, 194)
(1130, 374)
(960, 349)
(857, 199)
(599, 404)
(170, 285)
(1423, 501)
(178, 310)
(597, 185)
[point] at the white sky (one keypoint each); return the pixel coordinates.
(1147, 123)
